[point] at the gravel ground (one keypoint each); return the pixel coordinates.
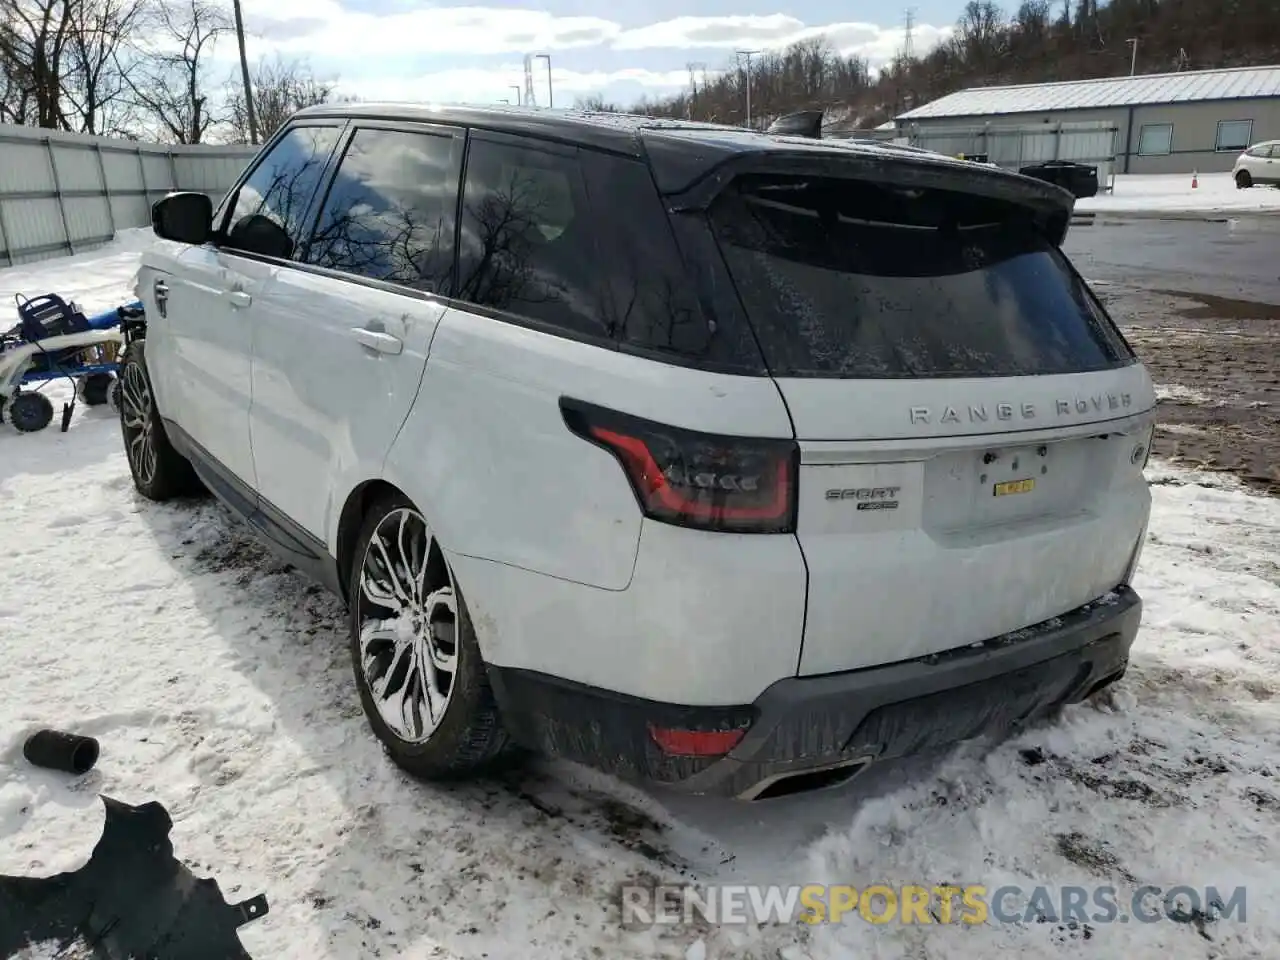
(1216, 363)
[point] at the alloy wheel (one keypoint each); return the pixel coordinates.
(136, 415)
(407, 613)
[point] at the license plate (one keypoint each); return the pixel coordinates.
(1014, 486)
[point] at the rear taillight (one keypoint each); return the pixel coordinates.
(691, 479)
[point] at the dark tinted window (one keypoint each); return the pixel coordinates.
(843, 278)
(528, 244)
(270, 206)
(389, 214)
(653, 303)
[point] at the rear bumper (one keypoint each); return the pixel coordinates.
(803, 725)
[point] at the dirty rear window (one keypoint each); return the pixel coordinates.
(846, 278)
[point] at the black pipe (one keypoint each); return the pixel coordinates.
(55, 750)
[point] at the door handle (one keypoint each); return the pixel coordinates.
(377, 340)
(238, 298)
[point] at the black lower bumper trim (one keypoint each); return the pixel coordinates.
(802, 724)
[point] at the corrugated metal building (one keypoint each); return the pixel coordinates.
(1164, 123)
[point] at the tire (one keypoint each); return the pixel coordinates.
(159, 472)
(1244, 180)
(30, 412)
(464, 734)
(113, 394)
(95, 388)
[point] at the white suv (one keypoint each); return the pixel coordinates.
(715, 458)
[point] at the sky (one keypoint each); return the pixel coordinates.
(438, 52)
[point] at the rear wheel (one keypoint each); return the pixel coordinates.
(422, 682)
(1244, 180)
(159, 472)
(95, 388)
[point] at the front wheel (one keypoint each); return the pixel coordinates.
(159, 472)
(1244, 180)
(30, 412)
(418, 669)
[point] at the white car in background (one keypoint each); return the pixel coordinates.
(1259, 164)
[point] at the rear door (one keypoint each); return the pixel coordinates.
(972, 426)
(341, 339)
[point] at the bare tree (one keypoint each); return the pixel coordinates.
(280, 89)
(95, 85)
(33, 46)
(171, 83)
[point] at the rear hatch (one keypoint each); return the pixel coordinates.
(972, 426)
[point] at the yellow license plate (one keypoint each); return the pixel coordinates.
(1014, 486)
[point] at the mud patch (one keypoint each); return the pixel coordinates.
(1216, 365)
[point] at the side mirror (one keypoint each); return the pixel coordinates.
(184, 217)
(258, 234)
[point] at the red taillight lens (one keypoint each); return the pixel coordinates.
(695, 743)
(691, 479)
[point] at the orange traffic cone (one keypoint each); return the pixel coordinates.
(1195, 180)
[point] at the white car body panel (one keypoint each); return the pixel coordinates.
(200, 350)
(321, 427)
(708, 618)
(486, 451)
(908, 549)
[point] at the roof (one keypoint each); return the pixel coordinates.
(1156, 88)
(610, 131)
(680, 153)
(616, 132)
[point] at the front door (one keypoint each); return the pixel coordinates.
(198, 343)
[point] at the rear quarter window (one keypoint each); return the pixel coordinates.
(847, 278)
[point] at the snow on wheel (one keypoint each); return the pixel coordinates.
(95, 388)
(417, 664)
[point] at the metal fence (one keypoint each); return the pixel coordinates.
(1092, 142)
(64, 193)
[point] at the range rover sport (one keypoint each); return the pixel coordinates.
(709, 457)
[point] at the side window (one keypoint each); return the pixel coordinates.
(389, 214)
(653, 305)
(1155, 140)
(528, 244)
(267, 217)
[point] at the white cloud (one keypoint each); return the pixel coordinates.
(364, 48)
(878, 44)
(323, 28)
(495, 85)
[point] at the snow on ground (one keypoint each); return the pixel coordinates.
(1173, 193)
(219, 684)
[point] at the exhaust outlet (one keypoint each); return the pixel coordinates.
(807, 781)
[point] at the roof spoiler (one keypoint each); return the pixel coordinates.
(1051, 206)
(806, 123)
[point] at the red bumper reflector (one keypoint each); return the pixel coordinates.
(695, 743)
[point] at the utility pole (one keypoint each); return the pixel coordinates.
(244, 76)
(1133, 63)
(747, 55)
(516, 88)
(551, 97)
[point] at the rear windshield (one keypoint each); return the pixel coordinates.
(846, 278)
